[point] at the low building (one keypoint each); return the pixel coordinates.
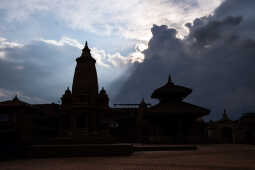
(225, 130)
(221, 131)
(245, 129)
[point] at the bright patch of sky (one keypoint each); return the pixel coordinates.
(131, 19)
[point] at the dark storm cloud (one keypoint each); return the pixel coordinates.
(235, 8)
(216, 59)
(38, 70)
(239, 8)
(207, 32)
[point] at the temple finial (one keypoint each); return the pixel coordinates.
(142, 103)
(86, 47)
(15, 97)
(86, 50)
(169, 78)
(224, 115)
(85, 55)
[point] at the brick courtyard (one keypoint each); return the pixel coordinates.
(207, 157)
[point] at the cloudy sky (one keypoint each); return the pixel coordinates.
(207, 45)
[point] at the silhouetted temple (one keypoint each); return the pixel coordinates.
(86, 117)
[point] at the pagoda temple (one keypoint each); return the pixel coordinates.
(174, 119)
(170, 121)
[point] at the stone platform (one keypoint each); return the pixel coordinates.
(75, 150)
(36, 151)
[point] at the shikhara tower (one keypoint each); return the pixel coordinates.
(81, 107)
(85, 85)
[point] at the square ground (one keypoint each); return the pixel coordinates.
(206, 157)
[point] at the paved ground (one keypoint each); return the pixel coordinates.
(207, 157)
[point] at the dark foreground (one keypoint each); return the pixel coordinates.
(206, 157)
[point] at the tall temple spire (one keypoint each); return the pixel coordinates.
(85, 84)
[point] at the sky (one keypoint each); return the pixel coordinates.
(206, 45)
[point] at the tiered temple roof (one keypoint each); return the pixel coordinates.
(171, 96)
(170, 91)
(14, 102)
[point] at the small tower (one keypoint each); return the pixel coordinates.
(67, 97)
(103, 99)
(85, 85)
